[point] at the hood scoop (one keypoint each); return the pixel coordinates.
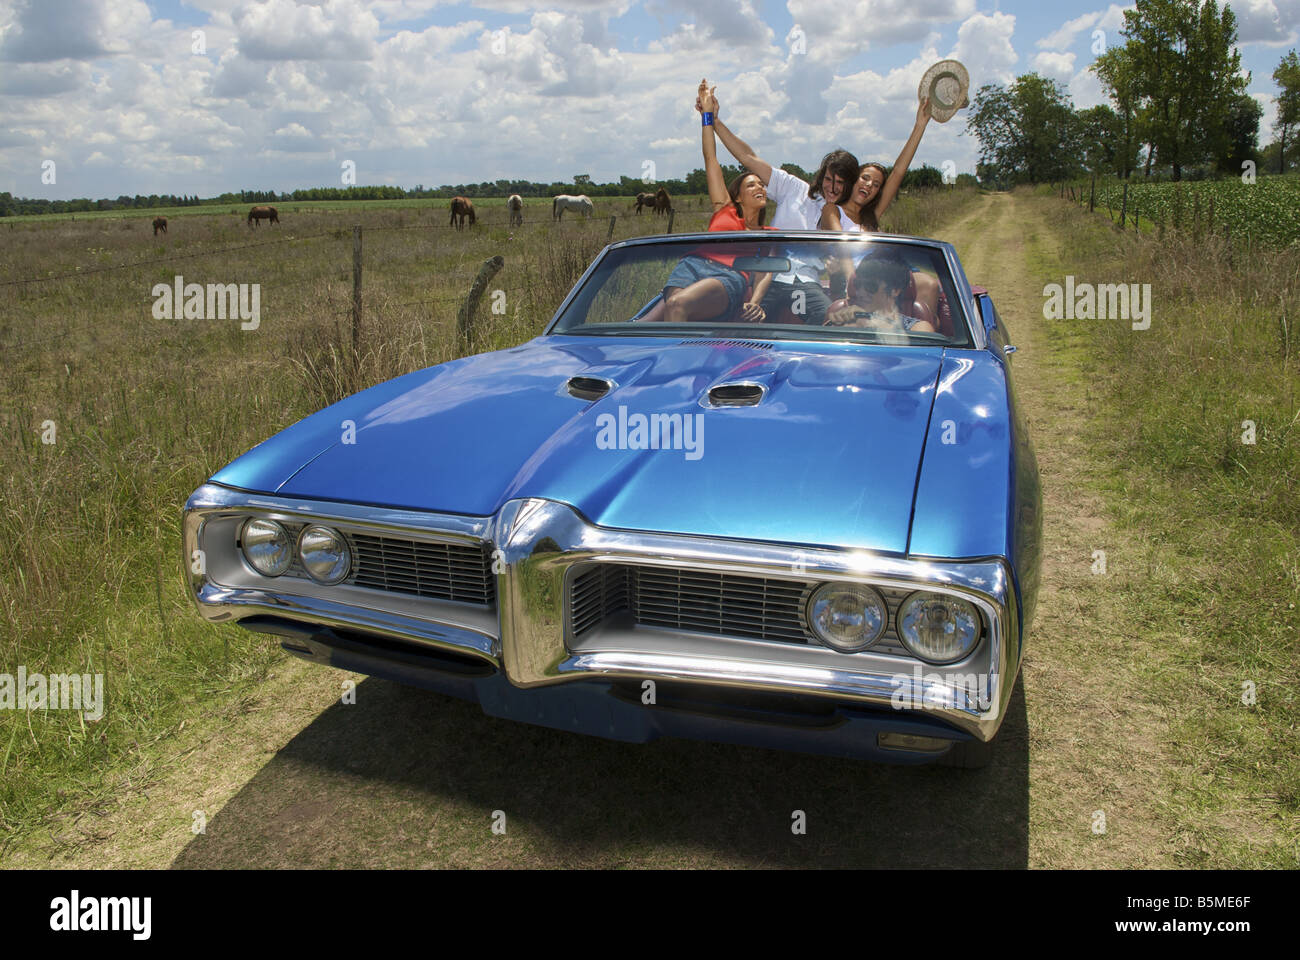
(741, 394)
(588, 388)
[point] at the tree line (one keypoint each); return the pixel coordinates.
(1178, 107)
(693, 183)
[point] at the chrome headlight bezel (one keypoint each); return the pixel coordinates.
(277, 530)
(913, 644)
(867, 593)
(341, 566)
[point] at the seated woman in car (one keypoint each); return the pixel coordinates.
(875, 301)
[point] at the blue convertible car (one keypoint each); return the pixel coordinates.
(816, 530)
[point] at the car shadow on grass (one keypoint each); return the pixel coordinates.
(407, 778)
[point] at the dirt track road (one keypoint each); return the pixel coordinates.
(292, 777)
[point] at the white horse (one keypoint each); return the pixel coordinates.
(516, 207)
(581, 204)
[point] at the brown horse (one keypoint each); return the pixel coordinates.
(645, 200)
(461, 208)
(663, 202)
(258, 214)
(516, 207)
(159, 223)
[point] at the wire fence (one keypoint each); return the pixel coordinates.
(337, 233)
(468, 301)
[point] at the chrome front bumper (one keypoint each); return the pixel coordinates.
(537, 544)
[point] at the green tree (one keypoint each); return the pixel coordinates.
(1115, 70)
(1028, 132)
(1242, 130)
(798, 171)
(1186, 74)
(1287, 77)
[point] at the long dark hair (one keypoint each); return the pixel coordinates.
(844, 165)
(733, 190)
(867, 216)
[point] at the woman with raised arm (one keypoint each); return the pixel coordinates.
(705, 285)
(868, 199)
(796, 295)
(874, 192)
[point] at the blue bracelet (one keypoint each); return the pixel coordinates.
(706, 118)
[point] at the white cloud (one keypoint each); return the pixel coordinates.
(287, 30)
(719, 25)
(1057, 66)
(1267, 22)
(984, 46)
(835, 31)
(40, 31)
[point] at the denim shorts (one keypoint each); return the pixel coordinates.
(781, 296)
(692, 268)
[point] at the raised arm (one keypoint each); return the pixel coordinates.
(718, 195)
(895, 180)
(738, 148)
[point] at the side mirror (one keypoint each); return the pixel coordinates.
(988, 313)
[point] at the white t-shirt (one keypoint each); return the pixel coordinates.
(795, 210)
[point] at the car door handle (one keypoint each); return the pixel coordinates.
(1009, 349)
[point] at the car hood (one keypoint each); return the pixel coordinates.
(828, 456)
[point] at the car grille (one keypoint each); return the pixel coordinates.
(702, 601)
(443, 571)
(461, 572)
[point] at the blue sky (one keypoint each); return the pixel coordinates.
(278, 94)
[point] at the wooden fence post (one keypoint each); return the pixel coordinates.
(671, 214)
(1092, 194)
(1123, 210)
(610, 235)
(356, 296)
(465, 319)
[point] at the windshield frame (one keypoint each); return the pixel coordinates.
(963, 308)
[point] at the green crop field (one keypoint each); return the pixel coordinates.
(1265, 212)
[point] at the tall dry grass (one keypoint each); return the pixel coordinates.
(1177, 407)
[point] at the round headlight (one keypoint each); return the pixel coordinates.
(266, 546)
(938, 628)
(847, 616)
(325, 554)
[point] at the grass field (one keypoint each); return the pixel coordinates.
(494, 207)
(144, 410)
(1196, 428)
(1161, 693)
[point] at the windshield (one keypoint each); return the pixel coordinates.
(875, 291)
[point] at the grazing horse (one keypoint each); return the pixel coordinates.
(663, 202)
(580, 204)
(159, 223)
(258, 214)
(645, 200)
(461, 208)
(516, 207)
